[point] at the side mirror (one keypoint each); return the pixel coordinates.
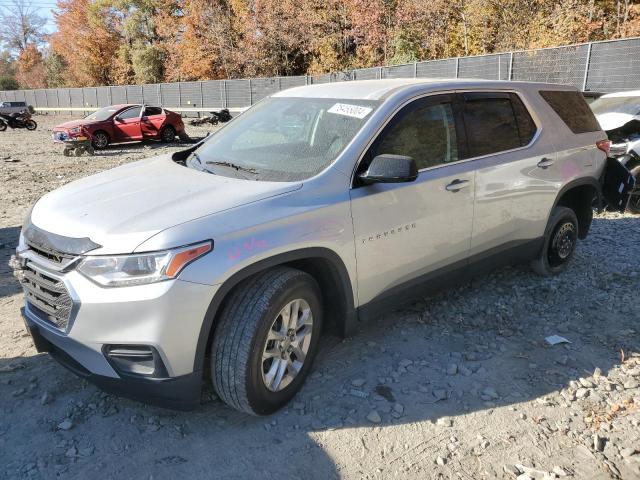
(388, 168)
(117, 119)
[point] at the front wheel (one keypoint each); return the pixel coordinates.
(560, 241)
(3, 126)
(31, 125)
(266, 340)
(100, 140)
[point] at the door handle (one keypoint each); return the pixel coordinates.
(545, 163)
(457, 185)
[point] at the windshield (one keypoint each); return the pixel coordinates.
(283, 139)
(102, 114)
(629, 105)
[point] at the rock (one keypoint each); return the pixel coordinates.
(374, 417)
(559, 471)
(512, 469)
(452, 369)
(71, 452)
(582, 393)
(440, 394)
(465, 371)
(46, 398)
(586, 383)
(358, 382)
(405, 362)
(398, 408)
(491, 393)
(66, 424)
(627, 452)
(358, 393)
(444, 422)
(598, 442)
(441, 461)
(630, 384)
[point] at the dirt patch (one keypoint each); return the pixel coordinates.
(461, 385)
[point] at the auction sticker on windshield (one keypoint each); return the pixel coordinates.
(355, 111)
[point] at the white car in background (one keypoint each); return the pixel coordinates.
(619, 116)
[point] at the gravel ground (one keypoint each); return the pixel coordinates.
(461, 385)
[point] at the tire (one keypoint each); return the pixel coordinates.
(167, 134)
(67, 152)
(31, 125)
(560, 241)
(3, 126)
(78, 151)
(90, 150)
(634, 200)
(241, 373)
(100, 140)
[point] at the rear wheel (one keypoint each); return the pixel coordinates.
(266, 340)
(559, 244)
(100, 140)
(3, 126)
(31, 125)
(634, 200)
(167, 134)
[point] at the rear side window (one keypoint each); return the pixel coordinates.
(572, 108)
(151, 111)
(496, 122)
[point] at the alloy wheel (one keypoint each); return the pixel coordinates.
(287, 345)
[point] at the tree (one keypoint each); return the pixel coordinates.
(21, 26)
(7, 72)
(30, 68)
(87, 41)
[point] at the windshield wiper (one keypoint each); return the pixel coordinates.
(231, 165)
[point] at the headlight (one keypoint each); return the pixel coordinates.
(142, 268)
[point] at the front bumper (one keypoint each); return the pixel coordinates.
(181, 393)
(166, 317)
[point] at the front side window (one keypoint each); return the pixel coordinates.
(423, 130)
(283, 138)
(102, 114)
(130, 113)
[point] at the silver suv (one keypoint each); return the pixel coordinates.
(317, 208)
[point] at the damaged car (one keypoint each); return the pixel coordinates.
(619, 116)
(123, 123)
(320, 207)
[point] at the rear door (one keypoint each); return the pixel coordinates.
(126, 124)
(151, 122)
(516, 172)
(408, 232)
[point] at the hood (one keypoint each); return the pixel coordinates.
(121, 208)
(612, 120)
(72, 123)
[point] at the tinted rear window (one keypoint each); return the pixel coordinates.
(496, 122)
(572, 109)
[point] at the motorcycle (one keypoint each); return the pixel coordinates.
(222, 116)
(17, 120)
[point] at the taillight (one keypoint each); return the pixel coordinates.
(604, 145)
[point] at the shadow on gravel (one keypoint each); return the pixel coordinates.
(466, 351)
(8, 243)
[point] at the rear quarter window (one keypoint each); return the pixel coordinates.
(572, 108)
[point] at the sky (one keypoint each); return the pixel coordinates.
(43, 8)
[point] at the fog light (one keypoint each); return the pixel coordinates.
(135, 360)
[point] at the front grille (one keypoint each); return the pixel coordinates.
(52, 256)
(47, 297)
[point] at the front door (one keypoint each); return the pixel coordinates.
(406, 231)
(126, 125)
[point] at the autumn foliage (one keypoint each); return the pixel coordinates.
(145, 41)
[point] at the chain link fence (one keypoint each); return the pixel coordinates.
(599, 66)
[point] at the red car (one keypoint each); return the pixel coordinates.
(123, 123)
